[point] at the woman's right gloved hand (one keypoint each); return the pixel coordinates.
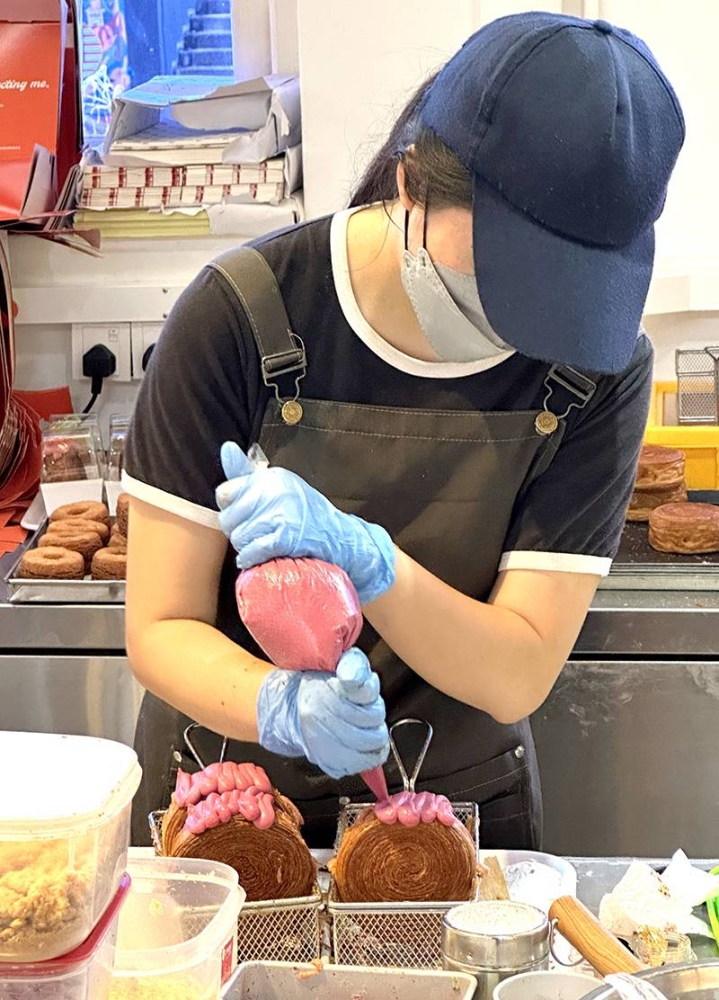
(336, 721)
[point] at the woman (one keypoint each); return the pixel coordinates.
(473, 390)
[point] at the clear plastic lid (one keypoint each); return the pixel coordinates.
(85, 782)
(69, 456)
(72, 422)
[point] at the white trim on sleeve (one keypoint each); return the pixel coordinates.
(169, 502)
(557, 562)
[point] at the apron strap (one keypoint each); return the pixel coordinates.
(568, 390)
(252, 281)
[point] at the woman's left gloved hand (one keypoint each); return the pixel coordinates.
(270, 513)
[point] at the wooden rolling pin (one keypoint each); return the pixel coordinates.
(591, 939)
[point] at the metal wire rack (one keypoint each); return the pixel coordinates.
(697, 385)
(393, 935)
(275, 930)
(388, 935)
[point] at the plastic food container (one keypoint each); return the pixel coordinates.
(546, 986)
(538, 879)
(72, 467)
(64, 834)
(119, 426)
(259, 980)
(83, 974)
(177, 938)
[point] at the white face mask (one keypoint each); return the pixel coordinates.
(446, 303)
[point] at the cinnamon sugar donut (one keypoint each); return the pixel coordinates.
(123, 513)
(52, 563)
(86, 543)
(109, 564)
(92, 510)
(71, 525)
(117, 543)
(685, 528)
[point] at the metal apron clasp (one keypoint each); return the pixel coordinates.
(274, 366)
(580, 389)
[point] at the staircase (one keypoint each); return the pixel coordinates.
(206, 47)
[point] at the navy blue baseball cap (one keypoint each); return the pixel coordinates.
(571, 132)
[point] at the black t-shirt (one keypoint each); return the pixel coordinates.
(203, 387)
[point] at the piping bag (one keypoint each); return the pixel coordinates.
(304, 613)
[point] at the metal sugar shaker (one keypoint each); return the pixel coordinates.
(493, 940)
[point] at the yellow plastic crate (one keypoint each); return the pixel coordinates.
(700, 444)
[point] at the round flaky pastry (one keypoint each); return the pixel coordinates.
(381, 863)
(271, 864)
(643, 502)
(685, 528)
(659, 467)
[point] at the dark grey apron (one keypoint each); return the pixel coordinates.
(443, 483)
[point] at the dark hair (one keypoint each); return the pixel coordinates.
(429, 165)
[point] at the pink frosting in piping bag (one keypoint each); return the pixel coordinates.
(413, 808)
(221, 791)
(304, 613)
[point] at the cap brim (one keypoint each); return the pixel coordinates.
(552, 298)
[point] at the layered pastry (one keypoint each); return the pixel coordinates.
(410, 848)
(686, 528)
(231, 813)
(659, 467)
(660, 480)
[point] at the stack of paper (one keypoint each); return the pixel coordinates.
(190, 154)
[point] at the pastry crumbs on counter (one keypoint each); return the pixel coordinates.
(156, 908)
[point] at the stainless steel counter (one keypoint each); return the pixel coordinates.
(625, 740)
(619, 623)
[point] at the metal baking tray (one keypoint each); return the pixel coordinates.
(637, 566)
(282, 981)
(87, 591)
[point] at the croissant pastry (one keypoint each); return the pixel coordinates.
(231, 813)
(409, 849)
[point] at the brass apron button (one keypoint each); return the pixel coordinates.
(546, 422)
(292, 412)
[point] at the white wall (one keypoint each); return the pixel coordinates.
(679, 330)
(359, 62)
(683, 38)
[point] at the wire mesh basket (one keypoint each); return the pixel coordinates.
(388, 935)
(274, 930)
(697, 385)
(282, 930)
(393, 935)
(404, 935)
(466, 812)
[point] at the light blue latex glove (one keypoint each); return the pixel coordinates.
(270, 513)
(336, 721)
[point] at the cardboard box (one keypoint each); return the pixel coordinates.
(32, 53)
